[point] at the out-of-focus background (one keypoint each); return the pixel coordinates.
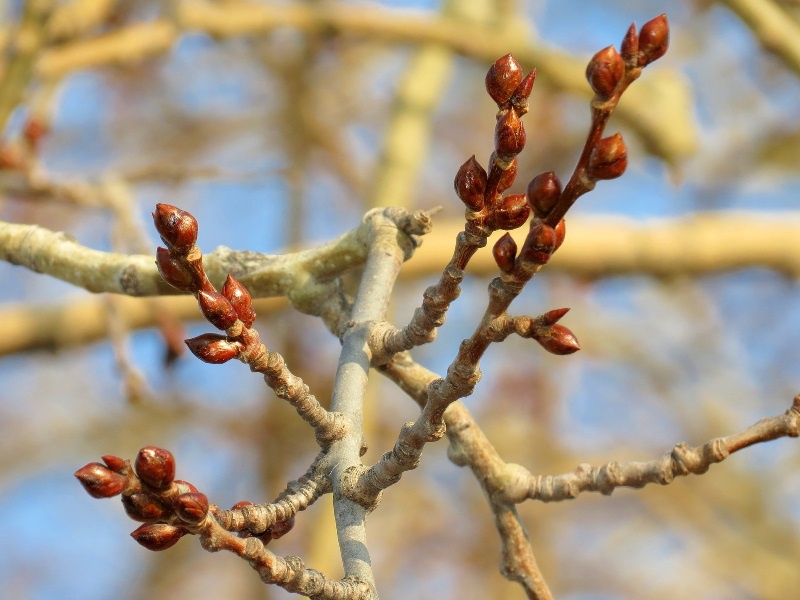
(279, 126)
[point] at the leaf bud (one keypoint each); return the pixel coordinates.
(509, 135)
(519, 100)
(281, 528)
(212, 348)
(155, 467)
(543, 192)
(539, 244)
(192, 507)
(158, 536)
(561, 232)
(470, 184)
(217, 309)
(551, 317)
(503, 78)
(173, 271)
(507, 176)
(504, 252)
(605, 71)
(101, 482)
(629, 49)
(608, 159)
(558, 340)
(241, 504)
(653, 40)
(144, 507)
(184, 487)
(240, 299)
(117, 464)
(176, 227)
(512, 213)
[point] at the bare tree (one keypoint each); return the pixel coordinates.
(350, 282)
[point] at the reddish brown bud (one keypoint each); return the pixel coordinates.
(558, 340)
(101, 482)
(144, 507)
(34, 130)
(507, 176)
(241, 504)
(217, 309)
(519, 100)
(539, 244)
(609, 158)
(240, 299)
(177, 227)
(158, 536)
(173, 271)
(191, 508)
(561, 232)
(155, 466)
(629, 49)
(470, 184)
(281, 528)
(184, 487)
(512, 213)
(653, 40)
(503, 78)
(116, 464)
(212, 348)
(605, 71)
(509, 135)
(551, 317)
(504, 252)
(544, 190)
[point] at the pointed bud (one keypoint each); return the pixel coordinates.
(117, 464)
(155, 467)
(605, 71)
(539, 244)
(240, 299)
(608, 159)
(191, 508)
(558, 340)
(544, 190)
(551, 317)
(217, 309)
(176, 227)
(629, 49)
(281, 528)
(101, 482)
(653, 40)
(470, 184)
(212, 348)
(503, 78)
(173, 271)
(504, 252)
(507, 176)
(144, 507)
(158, 536)
(512, 213)
(561, 232)
(519, 100)
(509, 135)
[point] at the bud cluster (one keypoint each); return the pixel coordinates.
(181, 266)
(168, 507)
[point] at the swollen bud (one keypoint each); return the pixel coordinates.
(470, 184)
(653, 40)
(217, 309)
(512, 212)
(504, 252)
(605, 71)
(544, 190)
(176, 227)
(192, 507)
(158, 536)
(101, 482)
(116, 464)
(503, 78)
(144, 507)
(608, 159)
(539, 245)
(509, 135)
(212, 348)
(558, 340)
(629, 49)
(507, 175)
(561, 232)
(155, 467)
(240, 299)
(519, 100)
(173, 271)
